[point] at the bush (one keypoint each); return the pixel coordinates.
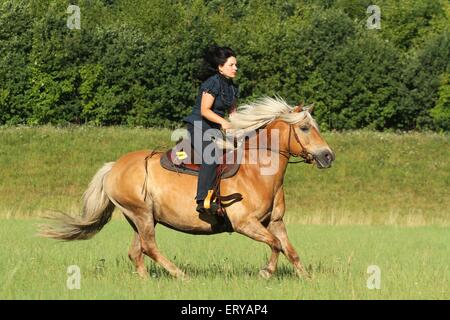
(134, 61)
(441, 112)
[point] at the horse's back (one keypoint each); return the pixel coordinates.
(139, 155)
(126, 175)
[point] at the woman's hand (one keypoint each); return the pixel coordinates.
(226, 125)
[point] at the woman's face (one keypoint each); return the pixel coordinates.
(229, 68)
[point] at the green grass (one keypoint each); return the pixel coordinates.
(414, 263)
(377, 178)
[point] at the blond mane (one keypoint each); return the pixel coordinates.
(263, 111)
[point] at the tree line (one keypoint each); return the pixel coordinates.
(133, 62)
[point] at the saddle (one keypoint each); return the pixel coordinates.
(183, 158)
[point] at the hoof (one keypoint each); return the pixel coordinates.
(181, 276)
(143, 275)
(304, 275)
(184, 277)
(265, 274)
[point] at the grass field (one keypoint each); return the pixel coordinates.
(385, 202)
(414, 264)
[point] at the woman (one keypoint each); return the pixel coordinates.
(217, 96)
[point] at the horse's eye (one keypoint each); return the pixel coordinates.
(304, 128)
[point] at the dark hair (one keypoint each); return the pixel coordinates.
(213, 57)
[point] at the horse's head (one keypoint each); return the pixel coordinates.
(301, 133)
(308, 142)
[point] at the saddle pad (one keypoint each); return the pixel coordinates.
(230, 170)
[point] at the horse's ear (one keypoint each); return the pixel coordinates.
(299, 108)
(309, 108)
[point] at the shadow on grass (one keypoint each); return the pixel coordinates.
(227, 271)
(224, 269)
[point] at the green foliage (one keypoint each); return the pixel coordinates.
(441, 112)
(422, 78)
(409, 22)
(134, 61)
(15, 45)
(349, 90)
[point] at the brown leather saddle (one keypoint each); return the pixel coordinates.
(182, 158)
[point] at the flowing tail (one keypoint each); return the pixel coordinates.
(97, 211)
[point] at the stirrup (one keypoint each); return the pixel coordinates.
(207, 201)
(209, 207)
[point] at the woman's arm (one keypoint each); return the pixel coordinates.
(206, 105)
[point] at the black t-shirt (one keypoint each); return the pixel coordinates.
(224, 91)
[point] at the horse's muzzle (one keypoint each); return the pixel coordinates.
(324, 158)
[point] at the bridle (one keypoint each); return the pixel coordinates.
(307, 157)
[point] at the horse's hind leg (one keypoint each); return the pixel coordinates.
(135, 252)
(145, 225)
(137, 257)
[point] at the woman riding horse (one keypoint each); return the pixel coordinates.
(217, 95)
(148, 194)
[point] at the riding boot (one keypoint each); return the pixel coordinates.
(211, 210)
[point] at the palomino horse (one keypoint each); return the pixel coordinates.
(169, 196)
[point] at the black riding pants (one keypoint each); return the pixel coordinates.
(207, 174)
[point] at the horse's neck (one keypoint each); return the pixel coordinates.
(275, 137)
(266, 146)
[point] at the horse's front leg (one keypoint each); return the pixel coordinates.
(277, 213)
(252, 228)
(278, 228)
